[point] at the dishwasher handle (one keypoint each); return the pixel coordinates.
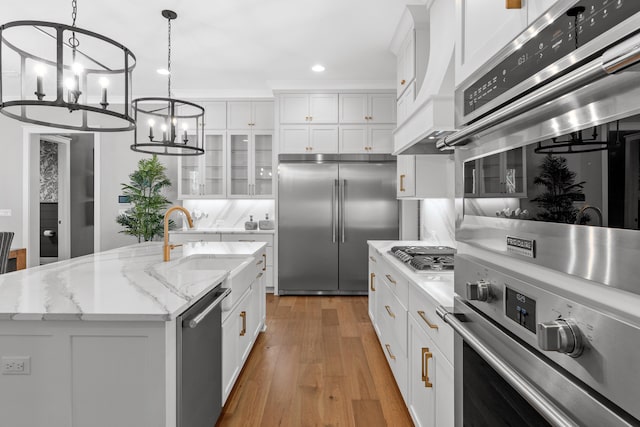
(195, 321)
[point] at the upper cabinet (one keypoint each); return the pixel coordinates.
(314, 108)
(250, 115)
(215, 114)
(204, 177)
(484, 27)
(361, 108)
(250, 165)
(425, 176)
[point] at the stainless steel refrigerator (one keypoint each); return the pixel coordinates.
(328, 207)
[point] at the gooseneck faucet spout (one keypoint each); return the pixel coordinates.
(168, 247)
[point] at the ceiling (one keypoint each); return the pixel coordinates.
(223, 48)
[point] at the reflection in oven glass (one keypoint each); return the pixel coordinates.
(488, 401)
(587, 177)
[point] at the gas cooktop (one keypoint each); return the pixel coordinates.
(425, 258)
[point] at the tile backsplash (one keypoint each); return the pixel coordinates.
(229, 213)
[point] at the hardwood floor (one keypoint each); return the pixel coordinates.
(319, 363)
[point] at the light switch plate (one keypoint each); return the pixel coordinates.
(5, 212)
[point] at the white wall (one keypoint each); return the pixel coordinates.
(117, 161)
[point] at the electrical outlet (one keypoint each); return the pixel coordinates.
(18, 365)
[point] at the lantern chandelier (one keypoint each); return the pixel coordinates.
(175, 127)
(47, 68)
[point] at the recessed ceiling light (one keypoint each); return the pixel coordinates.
(318, 68)
(163, 71)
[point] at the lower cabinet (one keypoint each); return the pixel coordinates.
(240, 328)
(430, 381)
(373, 287)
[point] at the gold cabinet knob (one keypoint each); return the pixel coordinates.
(403, 81)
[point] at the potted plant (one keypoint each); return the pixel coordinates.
(561, 191)
(145, 218)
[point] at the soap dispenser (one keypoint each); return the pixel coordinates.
(266, 223)
(251, 224)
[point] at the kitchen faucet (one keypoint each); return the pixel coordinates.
(167, 247)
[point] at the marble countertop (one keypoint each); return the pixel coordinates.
(131, 283)
(221, 230)
(438, 285)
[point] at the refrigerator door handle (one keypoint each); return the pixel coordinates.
(343, 184)
(334, 209)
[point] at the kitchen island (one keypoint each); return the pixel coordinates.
(97, 334)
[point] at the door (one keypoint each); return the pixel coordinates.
(368, 211)
(307, 218)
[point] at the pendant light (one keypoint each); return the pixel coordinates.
(168, 126)
(65, 77)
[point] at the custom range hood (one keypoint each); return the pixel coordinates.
(426, 103)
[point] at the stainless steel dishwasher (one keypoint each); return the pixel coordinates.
(199, 357)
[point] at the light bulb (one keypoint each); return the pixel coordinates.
(163, 71)
(40, 70)
(163, 127)
(104, 82)
(77, 68)
(151, 122)
(318, 68)
(70, 84)
(185, 126)
(174, 121)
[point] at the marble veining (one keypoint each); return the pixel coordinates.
(231, 213)
(121, 284)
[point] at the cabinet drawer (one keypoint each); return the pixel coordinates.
(248, 238)
(423, 309)
(397, 360)
(397, 283)
(373, 255)
(392, 315)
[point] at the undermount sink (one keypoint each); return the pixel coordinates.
(241, 272)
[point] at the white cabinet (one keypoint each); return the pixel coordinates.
(405, 103)
(405, 62)
(240, 328)
(254, 115)
(366, 139)
(360, 108)
(430, 381)
(374, 278)
(250, 164)
(309, 139)
(425, 176)
(215, 115)
(204, 176)
(305, 108)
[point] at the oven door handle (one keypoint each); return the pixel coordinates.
(540, 402)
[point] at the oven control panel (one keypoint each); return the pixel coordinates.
(520, 308)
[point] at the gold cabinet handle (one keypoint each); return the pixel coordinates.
(426, 355)
(389, 278)
(243, 314)
(424, 317)
(259, 262)
(403, 81)
(265, 262)
(259, 275)
(372, 259)
(310, 118)
(389, 351)
(389, 311)
(246, 240)
(402, 177)
(371, 285)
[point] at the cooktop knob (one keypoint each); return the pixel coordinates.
(478, 291)
(561, 335)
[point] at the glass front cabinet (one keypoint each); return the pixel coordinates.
(250, 165)
(204, 176)
(499, 175)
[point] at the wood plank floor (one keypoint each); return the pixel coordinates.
(319, 363)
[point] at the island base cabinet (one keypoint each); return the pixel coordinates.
(430, 381)
(239, 332)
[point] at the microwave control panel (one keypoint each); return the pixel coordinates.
(582, 23)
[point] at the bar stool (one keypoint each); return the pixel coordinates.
(6, 237)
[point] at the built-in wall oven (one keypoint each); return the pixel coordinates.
(547, 306)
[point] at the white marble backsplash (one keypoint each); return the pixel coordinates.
(437, 221)
(229, 213)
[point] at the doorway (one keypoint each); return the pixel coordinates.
(61, 192)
